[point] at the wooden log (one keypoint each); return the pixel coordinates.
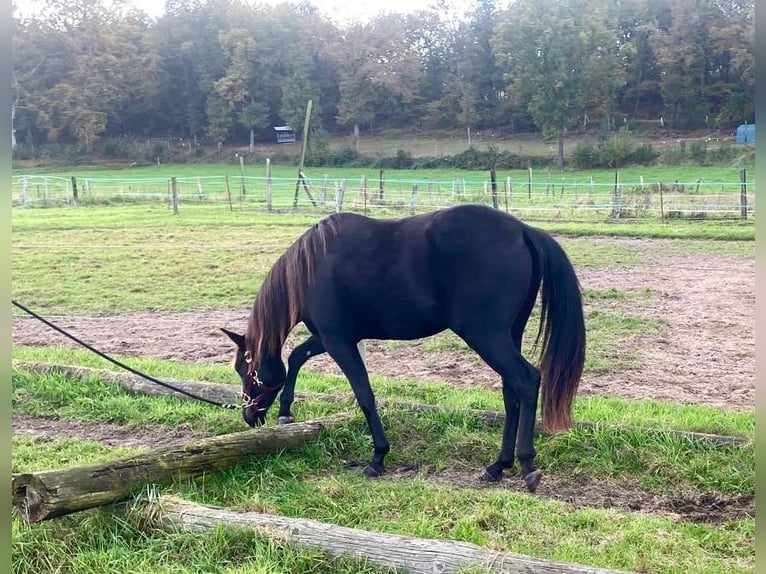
(230, 393)
(413, 555)
(47, 494)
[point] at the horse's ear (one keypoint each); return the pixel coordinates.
(239, 340)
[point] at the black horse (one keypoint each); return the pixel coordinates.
(472, 269)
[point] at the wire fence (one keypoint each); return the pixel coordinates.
(563, 200)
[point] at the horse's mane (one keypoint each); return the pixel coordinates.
(278, 305)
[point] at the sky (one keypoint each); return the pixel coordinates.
(342, 11)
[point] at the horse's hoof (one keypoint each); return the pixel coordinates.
(532, 480)
(373, 471)
(285, 420)
(492, 476)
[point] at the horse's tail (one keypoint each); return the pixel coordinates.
(562, 331)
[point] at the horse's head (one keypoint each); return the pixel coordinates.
(260, 382)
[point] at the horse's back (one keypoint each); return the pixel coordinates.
(376, 272)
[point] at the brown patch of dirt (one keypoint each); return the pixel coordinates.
(704, 352)
(586, 493)
(110, 434)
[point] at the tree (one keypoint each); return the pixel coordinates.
(636, 19)
(731, 89)
(190, 60)
(378, 68)
(680, 48)
(553, 52)
(88, 65)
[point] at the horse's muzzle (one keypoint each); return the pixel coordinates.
(254, 416)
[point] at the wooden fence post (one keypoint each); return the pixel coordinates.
(381, 186)
(323, 190)
(242, 174)
(268, 184)
(74, 191)
(174, 192)
(340, 191)
(413, 199)
(529, 182)
(743, 194)
(228, 192)
(493, 179)
(662, 205)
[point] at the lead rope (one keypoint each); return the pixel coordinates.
(123, 365)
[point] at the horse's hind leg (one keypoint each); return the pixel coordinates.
(521, 383)
(298, 357)
(525, 444)
(494, 472)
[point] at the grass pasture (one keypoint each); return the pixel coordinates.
(619, 499)
(647, 195)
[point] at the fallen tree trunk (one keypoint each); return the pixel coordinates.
(414, 555)
(230, 393)
(41, 495)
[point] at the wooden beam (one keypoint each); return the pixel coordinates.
(42, 495)
(230, 393)
(413, 555)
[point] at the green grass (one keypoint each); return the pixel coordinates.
(723, 231)
(685, 174)
(108, 541)
(315, 481)
(35, 454)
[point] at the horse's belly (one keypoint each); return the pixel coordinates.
(389, 320)
(405, 328)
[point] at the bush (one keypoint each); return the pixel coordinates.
(616, 151)
(324, 156)
(402, 160)
(644, 154)
(24, 151)
(585, 156)
(725, 153)
(673, 156)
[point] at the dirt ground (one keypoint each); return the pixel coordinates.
(704, 353)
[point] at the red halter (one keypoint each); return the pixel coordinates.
(255, 381)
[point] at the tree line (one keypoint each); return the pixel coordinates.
(228, 71)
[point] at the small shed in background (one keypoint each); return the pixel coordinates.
(746, 134)
(285, 134)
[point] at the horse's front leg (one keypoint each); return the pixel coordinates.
(346, 355)
(298, 357)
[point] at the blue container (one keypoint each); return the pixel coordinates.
(746, 134)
